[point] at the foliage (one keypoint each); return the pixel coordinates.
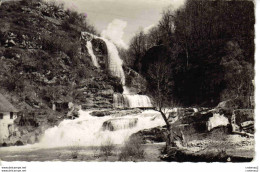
(238, 73)
(132, 150)
(160, 78)
(107, 147)
(74, 151)
(29, 2)
(54, 44)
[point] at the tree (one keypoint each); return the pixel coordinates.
(160, 74)
(238, 74)
(166, 26)
(137, 49)
(196, 37)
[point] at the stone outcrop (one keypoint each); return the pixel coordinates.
(217, 120)
(100, 113)
(100, 50)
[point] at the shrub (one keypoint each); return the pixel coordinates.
(74, 151)
(13, 83)
(54, 44)
(76, 23)
(132, 149)
(107, 147)
(56, 6)
(52, 119)
(95, 151)
(29, 2)
(12, 52)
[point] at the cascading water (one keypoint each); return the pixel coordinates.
(131, 101)
(127, 99)
(88, 130)
(91, 53)
(114, 61)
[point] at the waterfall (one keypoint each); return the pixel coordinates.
(127, 99)
(114, 61)
(91, 53)
(89, 130)
(131, 101)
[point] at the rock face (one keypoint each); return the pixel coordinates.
(119, 123)
(100, 50)
(96, 95)
(135, 81)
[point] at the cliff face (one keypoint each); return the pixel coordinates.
(136, 82)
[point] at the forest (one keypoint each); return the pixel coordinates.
(206, 49)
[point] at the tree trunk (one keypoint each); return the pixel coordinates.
(170, 138)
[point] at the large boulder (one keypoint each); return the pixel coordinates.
(217, 120)
(19, 143)
(31, 140)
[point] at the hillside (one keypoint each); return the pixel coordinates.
(43, 61)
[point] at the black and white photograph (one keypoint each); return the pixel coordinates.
(127, 81)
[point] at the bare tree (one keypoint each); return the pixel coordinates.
(160, 75)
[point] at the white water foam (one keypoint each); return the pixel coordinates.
(92, 55)
(114, 61)
(88, 130)
(131, 101)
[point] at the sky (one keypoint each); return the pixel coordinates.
(119, 20)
